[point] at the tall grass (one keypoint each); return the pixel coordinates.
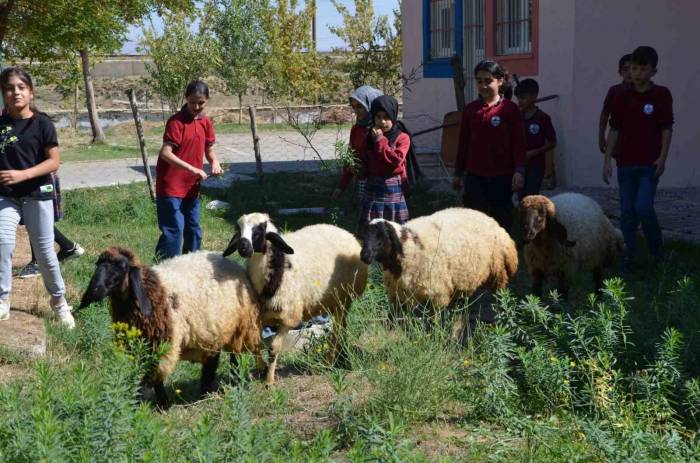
(608, 378)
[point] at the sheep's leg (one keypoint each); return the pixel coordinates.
(335, 355)
(274, 353)
(563, 286)
(161, 395)
(537, 280)
(207, 382)
(598, 279)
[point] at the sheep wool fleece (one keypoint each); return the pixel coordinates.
(324, 275)
(213, 306)
(449, 254)
(597, 241)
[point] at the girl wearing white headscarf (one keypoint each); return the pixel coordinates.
(361, 102)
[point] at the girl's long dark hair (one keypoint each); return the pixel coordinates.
(23, 76)
(197, 87)
(499, 72)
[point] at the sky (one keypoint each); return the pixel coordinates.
(326, 16)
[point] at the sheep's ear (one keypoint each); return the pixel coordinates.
(394, 238)
(138, 292)
(558, 232)
(233, 244)
(278, 242)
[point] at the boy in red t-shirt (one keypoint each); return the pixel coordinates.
(641, 121)
(539, 136)
(188, 139)
(623, 68)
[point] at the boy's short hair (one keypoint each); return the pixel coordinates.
(527, 87)
(624, 60)
(644, 56)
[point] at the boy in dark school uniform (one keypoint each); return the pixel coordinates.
(623, 68)
(641, 121)
(539, 135)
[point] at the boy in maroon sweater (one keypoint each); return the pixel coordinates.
(539, 135)
(623, 68)
(641, 121)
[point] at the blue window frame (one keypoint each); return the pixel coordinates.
(437, 56)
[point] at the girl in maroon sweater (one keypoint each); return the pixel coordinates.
(384, 163)
(491, 160)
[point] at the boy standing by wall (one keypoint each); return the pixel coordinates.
(539, 134)
(641, 120)
(623, 68)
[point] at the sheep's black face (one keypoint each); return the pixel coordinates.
(376, 242)
(534, 221)
(110, 275)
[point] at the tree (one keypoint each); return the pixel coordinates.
(375, 46)
(237, 28)
(179, 56)
(292, 68)
(54, 31)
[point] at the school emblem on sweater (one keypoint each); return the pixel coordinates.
(648, 109)
(496, 121)
(534, 129)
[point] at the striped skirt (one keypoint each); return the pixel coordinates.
(383, 199)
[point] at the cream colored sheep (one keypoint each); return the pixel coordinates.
(441, 257)
(200, 303)
(298, 275)
(566, 234)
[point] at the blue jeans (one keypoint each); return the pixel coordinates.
(178, 220)
(637, 190)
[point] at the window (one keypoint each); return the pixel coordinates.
(505, 30)
(513, 27)
(474, 41)
(440, 37)
(442, 27)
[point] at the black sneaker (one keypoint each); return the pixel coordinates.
(76, 251)
(31, 270)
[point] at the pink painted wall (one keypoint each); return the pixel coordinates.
(580, 43)
(425, 101)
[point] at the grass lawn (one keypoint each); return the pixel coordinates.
(123, 143)
(611, 379)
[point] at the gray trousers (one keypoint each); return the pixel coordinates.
(38, 218)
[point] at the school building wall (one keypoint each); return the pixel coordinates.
(580, 43)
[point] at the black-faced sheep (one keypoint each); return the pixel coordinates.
(566, 234)
(299, 275)
(440, 258)
(200, 303)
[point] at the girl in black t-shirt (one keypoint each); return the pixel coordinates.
(28, 155)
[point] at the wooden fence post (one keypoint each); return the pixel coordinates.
(142, 142)
(256, 149)
(256, 142)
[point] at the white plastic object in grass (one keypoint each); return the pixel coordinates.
(217, 205)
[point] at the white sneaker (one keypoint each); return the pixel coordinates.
(64, 315)
(4, 310)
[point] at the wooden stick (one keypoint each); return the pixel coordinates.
(256, 142)
(256, 149)
(458, 80)
(142, 142)
(455, 124)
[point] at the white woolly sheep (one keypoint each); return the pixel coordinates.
(200, 303)
(566, 234)
(298, 275)
(440, 258)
